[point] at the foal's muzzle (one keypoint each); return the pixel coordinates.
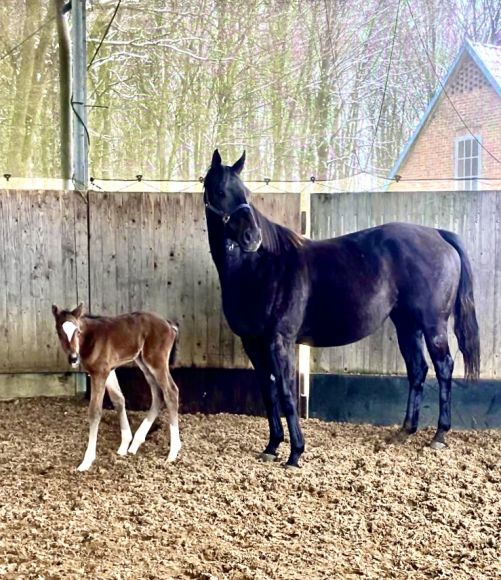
(74, 359)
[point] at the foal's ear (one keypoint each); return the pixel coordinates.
(79, 310)
(216, 159)
(55, 310)
(239, 165)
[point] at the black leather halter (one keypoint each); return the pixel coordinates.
(222, 214)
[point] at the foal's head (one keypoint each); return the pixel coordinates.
(225, 196)
(68, 330)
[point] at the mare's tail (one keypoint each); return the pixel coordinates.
(465, 319)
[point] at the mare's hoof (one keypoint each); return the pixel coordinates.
(292, 468)
(267, 457)
(437, 444)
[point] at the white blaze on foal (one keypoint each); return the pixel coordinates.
(103, 343)
(69, 329)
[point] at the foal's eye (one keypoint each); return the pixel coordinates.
(220, 193)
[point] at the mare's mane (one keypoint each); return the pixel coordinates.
(277, 238)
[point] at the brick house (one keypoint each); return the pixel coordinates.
(442, 147)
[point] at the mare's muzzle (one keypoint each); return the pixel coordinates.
(251, 239)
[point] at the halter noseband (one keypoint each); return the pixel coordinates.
(222, 214)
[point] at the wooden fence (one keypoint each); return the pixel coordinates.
(127, 251)
(118, 252)
(475, 216)
(43, 259)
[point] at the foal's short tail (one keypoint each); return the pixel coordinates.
(465, 319)
(173, 352)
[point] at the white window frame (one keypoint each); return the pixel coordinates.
(467, 182)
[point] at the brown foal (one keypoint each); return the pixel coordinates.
(102, 343)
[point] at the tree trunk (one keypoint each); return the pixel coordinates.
(24, 78)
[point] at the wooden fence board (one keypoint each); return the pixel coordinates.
(473, 215)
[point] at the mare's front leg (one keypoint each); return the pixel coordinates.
(97, 387)
(258, 352)
(282, 351)
(118, 401)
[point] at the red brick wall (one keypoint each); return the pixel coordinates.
(432, 155)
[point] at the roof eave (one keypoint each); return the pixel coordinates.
(426, 114)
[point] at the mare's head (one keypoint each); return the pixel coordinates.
(68, 330)
(225, 196)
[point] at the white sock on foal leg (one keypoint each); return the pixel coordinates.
(175, 442)
(126, 439)
(90, 453)
(140, 435)
(118, 401)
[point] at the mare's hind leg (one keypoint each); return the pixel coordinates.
(438, 347)
(156, 405)
(410, 341)
(258, 353)
(118, 401)
(157, 368)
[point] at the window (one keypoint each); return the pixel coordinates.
(468, 162)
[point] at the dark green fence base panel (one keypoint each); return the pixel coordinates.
(200, 390)
(382, 400)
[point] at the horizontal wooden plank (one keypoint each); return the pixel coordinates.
(21, 385)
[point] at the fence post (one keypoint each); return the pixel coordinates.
(79, 81)
(304, 350)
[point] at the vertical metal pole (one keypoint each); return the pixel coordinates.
(79, 85)
(305, 351)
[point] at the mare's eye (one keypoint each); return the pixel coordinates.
(220, 193)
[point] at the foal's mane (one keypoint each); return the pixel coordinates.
(276, 238)
(86, 315)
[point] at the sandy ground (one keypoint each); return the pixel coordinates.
(358, 508)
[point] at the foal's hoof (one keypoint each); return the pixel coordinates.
(267, 457)
(292, 468)
(84, 466)
(438, 444)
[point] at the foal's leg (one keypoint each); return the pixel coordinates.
(283, 368)
(95, 411)
(438, 347)
(156, 405)
(410, 341)
(160, 371)
(118, 401)
(259, 356)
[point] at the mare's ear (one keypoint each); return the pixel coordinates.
(216, 159)
(79, 310)
(239, 165)
(55, 310)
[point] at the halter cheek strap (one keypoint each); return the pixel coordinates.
(222, 214)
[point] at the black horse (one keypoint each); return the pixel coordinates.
(279, 289)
